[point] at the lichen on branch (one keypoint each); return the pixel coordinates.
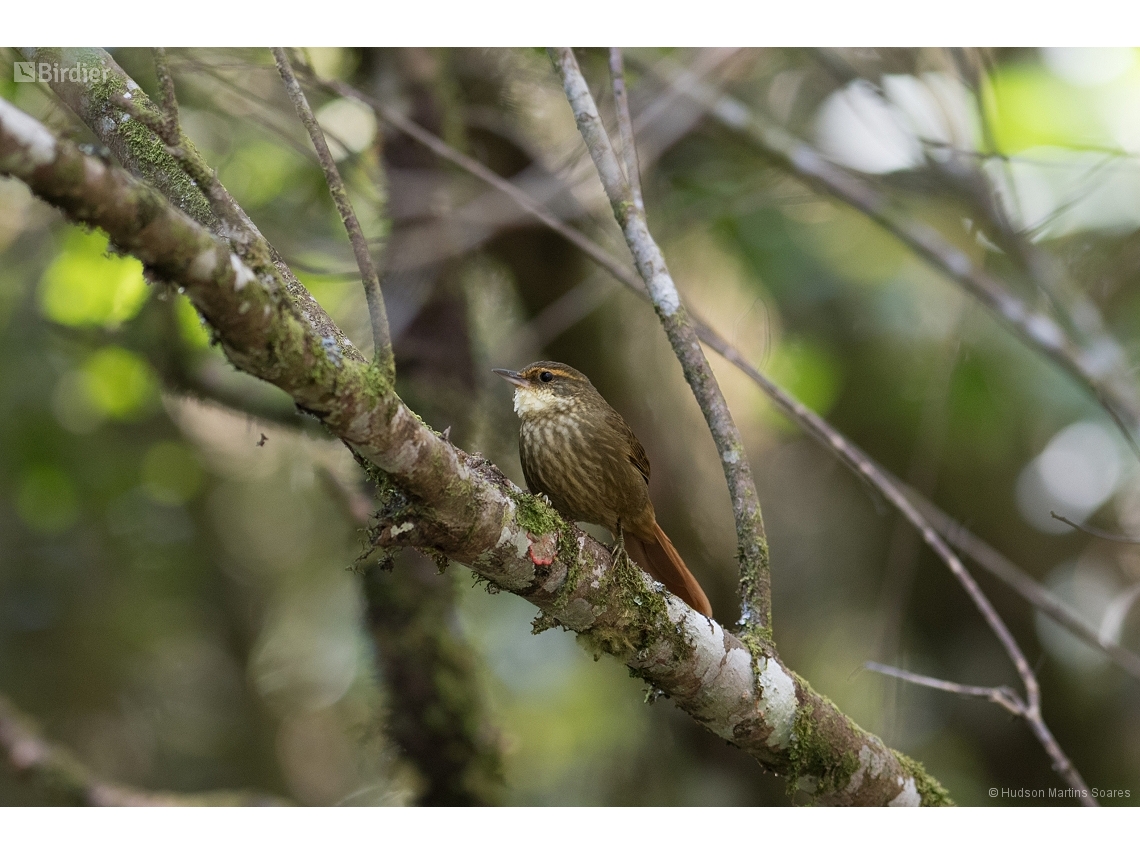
(462, 507)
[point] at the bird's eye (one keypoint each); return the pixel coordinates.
(545, 376)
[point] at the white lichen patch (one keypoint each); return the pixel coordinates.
(666, 297)
(577, 615)
(202, 267)
(909, 796)
(871, 763)
(93, 170)
(521, 543)
(724, 672)
(777, 703)
(554, 580)
(242, 274)
(707, 638)
(1045, 330)
(401, 528)
(516, 537)
(37, 142)
(731, 456)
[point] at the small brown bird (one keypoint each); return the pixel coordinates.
(577, 450)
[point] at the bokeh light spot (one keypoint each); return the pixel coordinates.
(171, 474)
(85, 286)
(119, 383)
(46, 499)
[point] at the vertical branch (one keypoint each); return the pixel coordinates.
(378, 315)
(755, 575)
(168, 101)
(435, 711)
(625, 127)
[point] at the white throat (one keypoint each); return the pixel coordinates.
(530, 402)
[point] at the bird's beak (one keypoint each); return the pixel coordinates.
(512, 377)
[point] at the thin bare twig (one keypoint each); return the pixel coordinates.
(755, 575)
(1094, 531)
(625, 127)
(1032, 591)
(63, 777)
(381, 339)
(1000, 695)
(1008, 699)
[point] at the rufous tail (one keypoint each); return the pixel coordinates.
(661, 560)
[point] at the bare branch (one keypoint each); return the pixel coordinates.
(1007, 699)
(381, 339)
(755, 574)
(1001, 695)
(59, 773)
(1033, 592)
(1099, 533)
(625, 127)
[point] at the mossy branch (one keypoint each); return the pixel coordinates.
(187, 181)
(462, 507)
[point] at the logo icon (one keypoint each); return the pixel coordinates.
(24, 72)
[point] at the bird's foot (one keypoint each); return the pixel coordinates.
(618, 553)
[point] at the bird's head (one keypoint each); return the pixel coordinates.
(546, 387)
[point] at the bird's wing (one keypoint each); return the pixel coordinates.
(636, 453)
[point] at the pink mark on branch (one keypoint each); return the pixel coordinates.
(543, 550)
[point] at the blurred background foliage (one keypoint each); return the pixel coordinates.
(176, 600)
